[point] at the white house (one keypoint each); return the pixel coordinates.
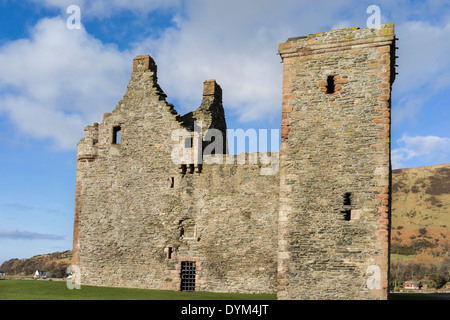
(41, 274)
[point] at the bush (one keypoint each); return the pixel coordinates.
(403, 250)
(415, 247)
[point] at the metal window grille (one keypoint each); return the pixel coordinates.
(187, 276)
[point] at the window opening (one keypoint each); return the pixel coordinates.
(188, 270)
(116, 134)
(347, 198)
(169, 252)
(330, 84)
(171, 182)
(188, 229)
(347, 213)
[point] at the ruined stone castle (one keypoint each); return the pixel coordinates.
(317, 228)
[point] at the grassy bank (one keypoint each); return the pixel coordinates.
(57, 290)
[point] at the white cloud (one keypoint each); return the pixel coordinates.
(406, 109)
(59, 81)
(25, 207)
(27, 235)
(430, 149)
(236, 43)
(107, 8)
(423, 56)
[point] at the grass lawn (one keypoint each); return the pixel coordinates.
(57, 290)
(401, 257)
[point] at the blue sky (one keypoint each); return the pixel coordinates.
(54, 81)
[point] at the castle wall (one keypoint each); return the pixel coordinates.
(122, 187)
(317, 229)
(335, 165)
(139, 215)
(232, 211)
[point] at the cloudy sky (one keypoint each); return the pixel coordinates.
(56, 78)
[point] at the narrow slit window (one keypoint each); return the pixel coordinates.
(347, 201)
(117, 130)
(171, 182)
(330, 85)
(169, 252)
(347, 214)
(347, 198)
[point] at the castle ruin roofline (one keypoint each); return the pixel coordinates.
(211, 88)
(144, 63)
(144, 95)
(337, 40)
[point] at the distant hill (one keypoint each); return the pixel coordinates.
(421, 214)
(56, 263)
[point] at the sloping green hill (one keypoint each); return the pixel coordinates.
(421, 214)
(56, 263)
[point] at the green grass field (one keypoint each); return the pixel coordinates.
(57, 290)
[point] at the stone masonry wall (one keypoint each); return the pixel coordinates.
(230, 212)
(138, 215)
(335, 165)
(317, 229)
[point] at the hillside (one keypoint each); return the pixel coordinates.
(421, 214)
(56, 263)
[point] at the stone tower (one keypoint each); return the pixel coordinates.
(333, 226)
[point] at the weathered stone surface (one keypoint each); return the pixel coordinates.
(128, 217)
(317, 229)
(335, 159)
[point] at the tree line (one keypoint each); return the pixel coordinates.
(435, 275)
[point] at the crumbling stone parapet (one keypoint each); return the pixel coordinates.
(144, 63)
(211, 88)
